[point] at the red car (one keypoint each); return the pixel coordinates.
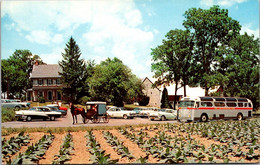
(60, 108)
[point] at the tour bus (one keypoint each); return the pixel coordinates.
(211, 108)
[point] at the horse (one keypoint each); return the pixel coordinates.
(78, 111)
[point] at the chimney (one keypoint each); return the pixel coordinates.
(36, 62)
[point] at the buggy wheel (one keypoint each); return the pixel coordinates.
(85, 121)
(96, 119)
(106, 118)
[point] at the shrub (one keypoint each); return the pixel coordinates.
(41, 99)
(144, 100)
(8, 114)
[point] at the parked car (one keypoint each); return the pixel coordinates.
(120, 112)
(146, 111)
(5, 103)
(56, 108)
(23, 104)
(37, 113)
(137, 110)
(163, 114)
(60, 107)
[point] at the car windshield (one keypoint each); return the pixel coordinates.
(186, 104)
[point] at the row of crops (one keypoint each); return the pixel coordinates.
(223, 142)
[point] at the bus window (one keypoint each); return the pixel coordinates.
(186, 104)
(231, 104)
(197, 105)
(219, 104)
(249, 105)
(206, 104)
(240, 104)
(245, 104)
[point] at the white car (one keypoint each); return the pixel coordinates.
(120, 113)
(163, 114)
(37, 113)
(146, 112)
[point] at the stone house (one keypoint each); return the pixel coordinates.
(153, 93)
(46, 83)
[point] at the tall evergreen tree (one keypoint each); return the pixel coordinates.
(165, 99)
(73, 73)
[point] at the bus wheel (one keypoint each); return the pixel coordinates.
(239, 116)
(204, 117)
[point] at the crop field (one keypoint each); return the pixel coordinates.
(211, 142)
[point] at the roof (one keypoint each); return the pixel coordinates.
(46, 71)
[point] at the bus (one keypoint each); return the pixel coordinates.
(212, 108)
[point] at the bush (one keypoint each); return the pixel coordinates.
(144, 100)
(41, 99)
(8, 114)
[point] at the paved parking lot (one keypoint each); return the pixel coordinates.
(67, 122)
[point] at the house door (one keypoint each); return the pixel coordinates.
(49, 95)
(58, 95)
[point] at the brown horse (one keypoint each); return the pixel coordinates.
(78, 111)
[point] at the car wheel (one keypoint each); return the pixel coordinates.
(28, 118)
(52, 118)
(125, 116)
(163, 118)
(16, 108)
(204, 117)
(239, 116)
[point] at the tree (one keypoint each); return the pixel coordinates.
(172, 59)
(238, 68)
(112, 82)
(211, 29)
(16, 72)
(165, 99)
(73, 74)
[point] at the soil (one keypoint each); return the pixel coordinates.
(53, 149)
(81, 154)
(108, 149)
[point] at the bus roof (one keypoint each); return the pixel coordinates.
(208, 98)
(95, 102)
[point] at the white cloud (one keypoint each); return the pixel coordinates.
(58, 38)
(247, 28)
(39, 36)
(53, 57)
(226, 3)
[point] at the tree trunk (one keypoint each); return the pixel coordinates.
(176, 88)
(184, 88)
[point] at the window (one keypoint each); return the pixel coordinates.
(49, 82)
(40, 82)
(231, 104)
(249, 105)
(206, 104)
(219, 104)
(40, 93)
(240, 104)
(186, 104)
(58, 82)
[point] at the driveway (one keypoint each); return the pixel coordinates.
(67, 122)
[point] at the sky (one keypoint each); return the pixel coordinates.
(126, 29)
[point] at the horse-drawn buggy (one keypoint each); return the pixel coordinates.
(95, 111)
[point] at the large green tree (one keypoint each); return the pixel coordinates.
(113, 82)
(237, 69)
(211, 28)
(74, 72)
(172, 60)
(16, 72)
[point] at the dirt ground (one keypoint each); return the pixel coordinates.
(82, 156)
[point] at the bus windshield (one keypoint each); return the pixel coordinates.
(186, 104)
